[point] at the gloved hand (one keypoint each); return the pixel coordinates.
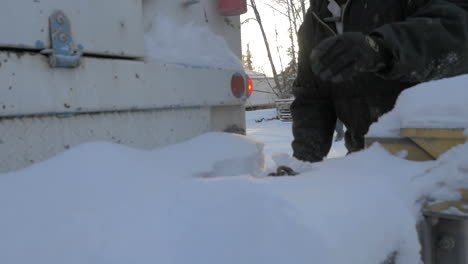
(339, 58)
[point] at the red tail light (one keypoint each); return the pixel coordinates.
(238, 85)
(232, 7)
(251, 87)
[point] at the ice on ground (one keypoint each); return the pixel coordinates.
(435, 104)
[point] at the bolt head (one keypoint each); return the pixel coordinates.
(63, 37)
(60, 19)
(446, 243)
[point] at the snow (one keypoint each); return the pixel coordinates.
(435, 104)
(208, 200)
(187, 44)
(104, 203)
(263, 126)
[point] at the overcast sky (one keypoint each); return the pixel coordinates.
(251, 34)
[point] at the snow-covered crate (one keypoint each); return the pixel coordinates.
(144, 73)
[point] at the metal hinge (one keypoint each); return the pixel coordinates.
(63, 53)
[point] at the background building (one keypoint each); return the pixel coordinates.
(263, 95)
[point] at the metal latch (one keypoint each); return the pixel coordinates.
(63, 53)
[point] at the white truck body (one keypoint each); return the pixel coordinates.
(114, 94)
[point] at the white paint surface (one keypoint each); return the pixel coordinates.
(30, 87)
(25, 141)
(106, 27)
(28, 140)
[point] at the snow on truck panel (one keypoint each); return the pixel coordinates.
(191, 34)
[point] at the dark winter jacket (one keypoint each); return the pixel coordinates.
(428, 39)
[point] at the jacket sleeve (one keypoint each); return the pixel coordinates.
(431, 43)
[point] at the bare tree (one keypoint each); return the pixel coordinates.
(303, 8)
(292, 31)
(265, 39)
(281, 88)
(294, 12)
(296, 15)
(247, 59)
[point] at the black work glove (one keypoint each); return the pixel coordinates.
(339, 58)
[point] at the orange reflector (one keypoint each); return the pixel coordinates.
(238, 85)
(251, 87)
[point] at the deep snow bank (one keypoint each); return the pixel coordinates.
(105, 203)
(436, 104)
(102, 203)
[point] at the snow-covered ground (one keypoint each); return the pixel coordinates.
(208, 200)
(263, 126)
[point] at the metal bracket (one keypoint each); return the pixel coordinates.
(63, 53)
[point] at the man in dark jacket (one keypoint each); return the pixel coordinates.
(356, 56)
